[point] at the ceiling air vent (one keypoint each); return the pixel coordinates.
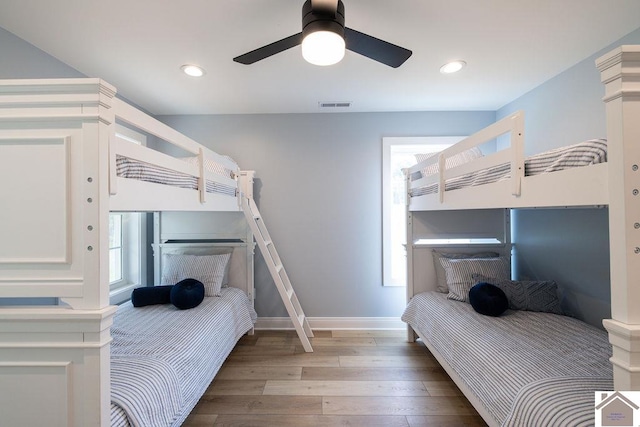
(334, 104)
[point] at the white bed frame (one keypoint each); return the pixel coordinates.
(196, 233)
(58, 148)
(615, 184)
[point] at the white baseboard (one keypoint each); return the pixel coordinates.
(335, 323)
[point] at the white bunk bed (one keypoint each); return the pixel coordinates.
(433, 208)
(60, 159)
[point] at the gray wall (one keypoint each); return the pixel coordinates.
(29, 62)
(319, 190)
(570, 246)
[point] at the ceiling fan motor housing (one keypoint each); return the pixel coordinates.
(321, 20)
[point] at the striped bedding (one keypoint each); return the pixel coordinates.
(515, 363)
(133, 169)
(163, 359)
(582, 154)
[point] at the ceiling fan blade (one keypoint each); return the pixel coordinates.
(376, 49)
(269, 50)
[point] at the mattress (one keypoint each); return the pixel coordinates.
(582, 154)
(163, 359)
(134, 169)
(514, 362)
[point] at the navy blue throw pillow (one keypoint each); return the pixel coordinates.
(488, 299)
(187, 293)
(151, 295)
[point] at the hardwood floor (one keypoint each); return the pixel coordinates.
(353, 378)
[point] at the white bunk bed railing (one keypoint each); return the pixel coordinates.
(512, 125)
(140, 121)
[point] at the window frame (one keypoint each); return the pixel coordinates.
(133, 235)
(421, 144)
(116, 283)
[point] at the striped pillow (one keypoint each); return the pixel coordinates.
(441, 278)
(459, 273)
(539, 296)
(208, 269)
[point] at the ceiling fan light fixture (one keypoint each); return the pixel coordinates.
(192, 70)
(452, 67)
(323, 48)
(327, 18)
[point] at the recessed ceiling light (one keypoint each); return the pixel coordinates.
(452, 67)
(192, 70)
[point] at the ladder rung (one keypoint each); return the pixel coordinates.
(268, 242)
(290, 293)
(279, 268)
(301, 319)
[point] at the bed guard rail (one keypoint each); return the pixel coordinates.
(513, 154)
(140, 121)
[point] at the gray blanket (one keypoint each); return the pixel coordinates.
(505, 360)
(163, 359)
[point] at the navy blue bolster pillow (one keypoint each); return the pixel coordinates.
(488, 299)
(151, 295)
(187, 293)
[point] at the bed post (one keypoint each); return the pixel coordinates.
(411, 335)
(55, 359)
(620, 73)
(246, 179)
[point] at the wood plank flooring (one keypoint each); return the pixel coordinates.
(353, 378)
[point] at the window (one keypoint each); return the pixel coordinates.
(126, 255)
(399, 153)
(115, 248)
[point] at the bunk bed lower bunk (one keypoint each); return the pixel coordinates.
(70, 138)
(163, 359)
(522, 368)
(511, 366)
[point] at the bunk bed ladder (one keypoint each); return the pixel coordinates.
(278, 272)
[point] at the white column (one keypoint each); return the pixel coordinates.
(620, 73)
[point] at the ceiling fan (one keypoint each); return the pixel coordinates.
(325, 19)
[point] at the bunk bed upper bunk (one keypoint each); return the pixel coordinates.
(506, 178)
(65, 164)
(211, 180)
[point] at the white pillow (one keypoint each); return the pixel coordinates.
(208, 269)
(453, 161)
(459, 273)
(211, 165)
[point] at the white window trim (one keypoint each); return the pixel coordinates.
(387, 142)
(134, 260)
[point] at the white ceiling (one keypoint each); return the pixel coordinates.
(511, 46)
